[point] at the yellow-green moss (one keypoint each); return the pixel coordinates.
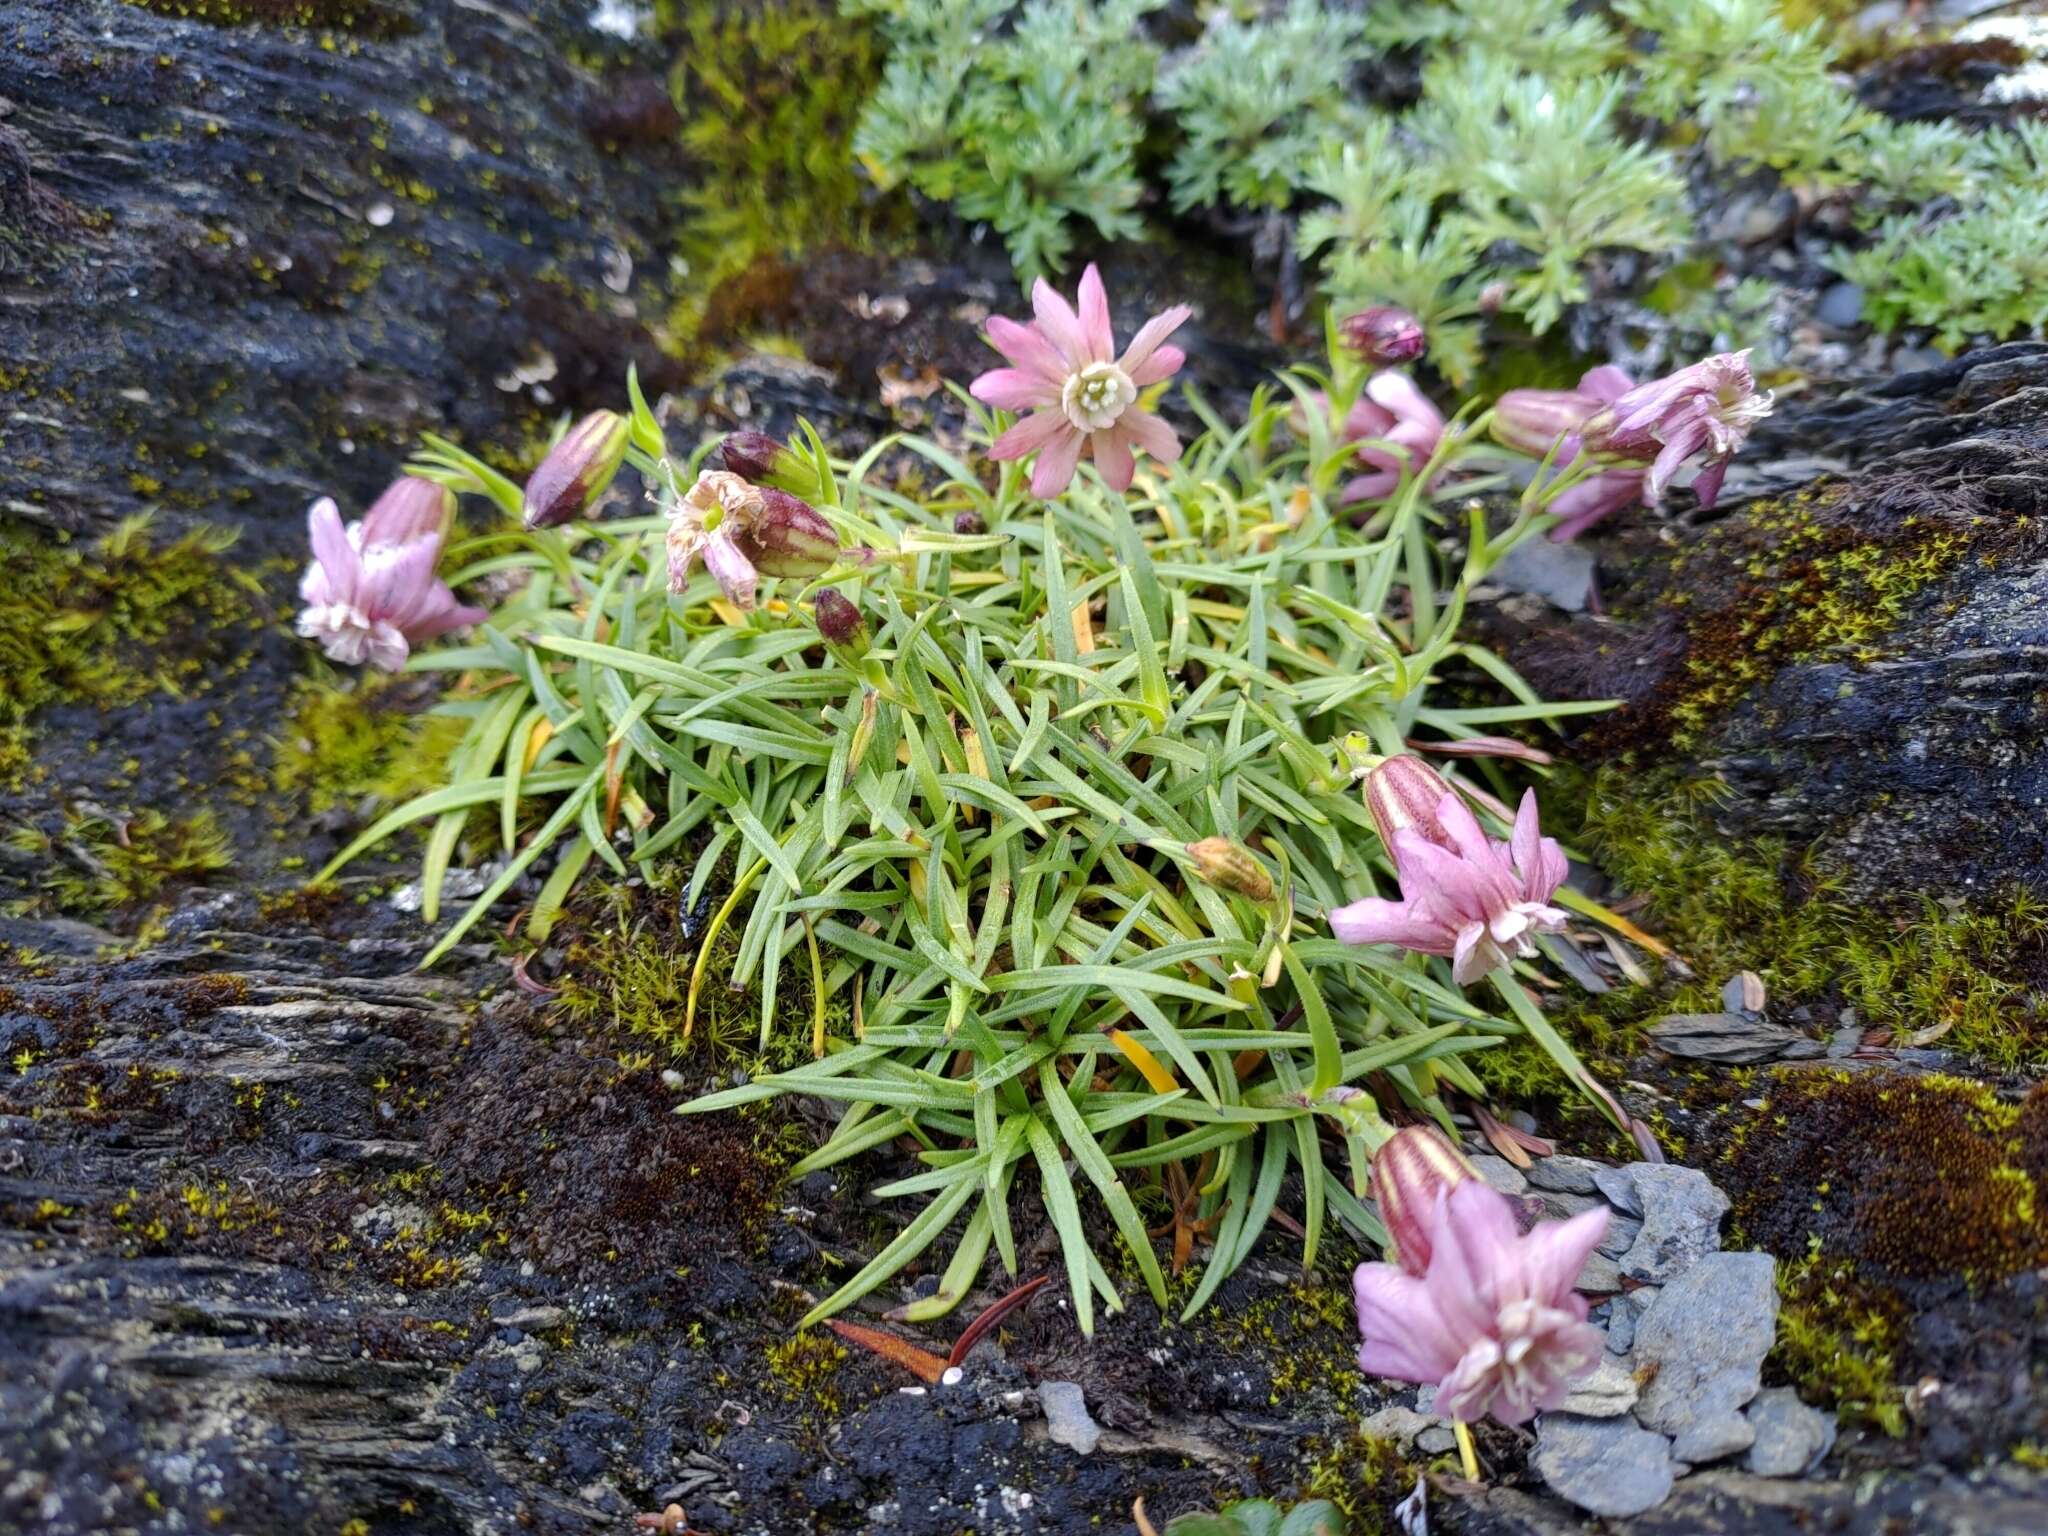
(1365, 1477)
(352, 736)
(769, 94)
(1835, 1343)
(371, 18)
(109, 621)
(100, 862)
(1956, 974)
(1788, 581)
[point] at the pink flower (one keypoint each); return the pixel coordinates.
(1064, 370)
(1464, 896)
(1495, 1321)
(1706, 410)
(371, 593)
(743, 532)
(1413, 1169)
(1530, 420)
(1399, 428)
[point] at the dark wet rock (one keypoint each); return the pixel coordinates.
(287, 260)
(1682, 1213)
(1731, 1038)
(1607, 1466)
(1791, 1438)
(1702, 1343)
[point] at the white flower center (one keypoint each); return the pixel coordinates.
(1095, 397)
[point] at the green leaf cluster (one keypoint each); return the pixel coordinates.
(973, 836)
(1025, 117)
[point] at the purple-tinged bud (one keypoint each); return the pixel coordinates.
(577, 469)
(1412, 1168)
(790, 538)
(1385, 335)
(969, 522)
(1531, 420)
(1225, 865)
(757, 457)
(1405, 791)
(838, 620)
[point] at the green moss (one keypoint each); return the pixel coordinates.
(629, 965)
(109, 622)
(769, 94)
(1788, 581)
(1365, 1477)
(805, 1369)
(1959, 974)
(361, 735)
(98, 862)
(1835, 1343)
(369, 18)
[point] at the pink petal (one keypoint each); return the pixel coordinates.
(1095, 327)
(1026, 437)
(1397, 393)
(1550, 1259)
(1058, 323)
(1475, 956)
(1606, 383)
(1143, 345)
(1162, 364)
(1707, 486)
(1150, 433)
(1472, 1244)
(730, 568)
(1376, 920)
(339, 566)
(1371, 487)
(1669, 462)
(1405, 1332)
(402, 590)
(1027, 347)
(1111, 451)
(1054, 471)
(1365, 419)
(1014, 389)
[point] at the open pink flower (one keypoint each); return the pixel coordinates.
(1706, 410)
(1530, 420)
(371, 593)
(1462, 894)
(1399, 429)
(1065, 371)
(1495, 1321)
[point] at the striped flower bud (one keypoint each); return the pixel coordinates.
(577, 469)
(757, 457)
(838, 620)
(1228, 867)
(1384, 335)
(1411, 1169)
(1405, 791)
(790, 538)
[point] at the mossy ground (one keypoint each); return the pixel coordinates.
(768, 95)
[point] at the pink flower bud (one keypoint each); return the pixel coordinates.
(1384, 335)
(838, 620)
(789, 538)
(1405, 791)
(1411, 1169)
(757, 457)
(1531, 420)
(969, 522)
(577, 469)
(410, 508)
